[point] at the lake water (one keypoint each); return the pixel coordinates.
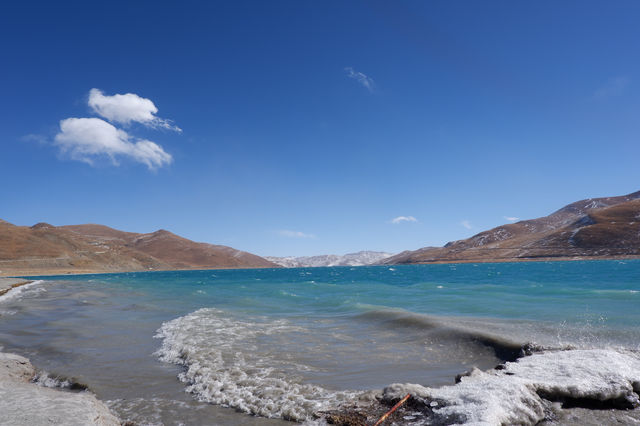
(263, 346)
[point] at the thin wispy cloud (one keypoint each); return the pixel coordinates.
(613, 87)
(511, 218)
(33, 137)
(361, 78)
(128, 108)
(401, 219)
(466, 224)
(84, 139)
(294, 234)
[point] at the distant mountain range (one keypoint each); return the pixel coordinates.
(593, 228)
(47, 249)
(352, 259)
(587, 229)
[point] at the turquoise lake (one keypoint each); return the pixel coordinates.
(259, 346)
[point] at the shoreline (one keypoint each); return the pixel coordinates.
(520, 260)
(7, 284)
(24, 277)
(577, 410)
(533, 389)
(25, 402)
(21, 275)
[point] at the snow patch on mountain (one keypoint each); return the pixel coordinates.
(360, 258)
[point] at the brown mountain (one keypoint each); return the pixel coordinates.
(593, 228)
(47, 249)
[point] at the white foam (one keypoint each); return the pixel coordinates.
(43, 378)
(512, 395)
(20, 291)
(225, 367)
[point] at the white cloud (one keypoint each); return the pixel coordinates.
(294, 234)
(401, 219)
(613, 87)
(128, 108)
(33, 137)
(511, 218)
(466, 224)
(87, 138)
(362, 78)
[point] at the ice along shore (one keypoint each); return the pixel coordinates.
(23, 402)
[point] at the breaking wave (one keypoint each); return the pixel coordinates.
(48, 380)
(438, 330)
(223, 366)
(20, 291)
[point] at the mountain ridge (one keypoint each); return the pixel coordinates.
(92, 248)
(589, 228)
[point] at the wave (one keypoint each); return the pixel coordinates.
(18, 292)
(152, 411)
(223, 366)
(616, 292)
(443, 331)
(47, 380)
(505, 336)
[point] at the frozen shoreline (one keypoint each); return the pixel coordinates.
(550, 387)
(25, 403)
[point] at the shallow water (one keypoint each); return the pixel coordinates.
(286, 342)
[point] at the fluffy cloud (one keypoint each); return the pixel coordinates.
(294, 234)
(511, 218)
(362, 78)
(401, 219)
(87, 138)
(466, 224)
(128, 108)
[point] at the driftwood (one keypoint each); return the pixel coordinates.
(361, 415)
(395, 407)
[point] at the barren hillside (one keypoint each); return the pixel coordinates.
(47, 249)
(598, 227)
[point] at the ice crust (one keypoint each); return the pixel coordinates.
(520, 392)
(25, 403)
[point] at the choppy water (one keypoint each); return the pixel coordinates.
(283, 343)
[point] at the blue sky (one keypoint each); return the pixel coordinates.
(307, 127)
